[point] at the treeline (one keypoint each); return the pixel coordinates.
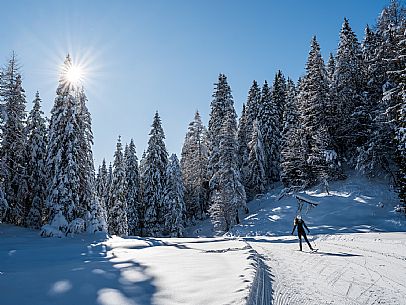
(346, 114)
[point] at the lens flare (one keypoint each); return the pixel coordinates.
(75, 75)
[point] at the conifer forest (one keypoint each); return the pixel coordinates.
(346, 113)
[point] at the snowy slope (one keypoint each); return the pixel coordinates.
(350, 267)
(361, 241)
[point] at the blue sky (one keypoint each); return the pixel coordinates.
(143, 56)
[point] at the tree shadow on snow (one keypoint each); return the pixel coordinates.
(73, 271)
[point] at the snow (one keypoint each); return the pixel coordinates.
(361, 258)
(94, 269)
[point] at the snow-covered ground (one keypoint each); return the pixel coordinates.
(117, 271)
(361, 258)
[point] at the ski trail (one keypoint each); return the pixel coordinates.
(349, 269)
(261, 288)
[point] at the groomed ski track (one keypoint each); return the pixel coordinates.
(349, 269)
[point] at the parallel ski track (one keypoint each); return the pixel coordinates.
(317, 278)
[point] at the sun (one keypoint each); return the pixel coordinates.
(75, 75)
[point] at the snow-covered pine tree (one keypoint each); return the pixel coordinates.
(66, 213)
(242, 140)
(256, 182)
(349, 116)
(102, 187)
(227, 192)
(253, 108)
(380, 53)
(117, 215)
(331, 66)
(154, 179)
(248, 117)
(194, 164)
(174, 203)
(313, 101)
(395, 98)
(141, 170)
(133, 189)
(293, 159)
(37, 151)
(13, 152)
(269, 122)
(95, 216)
(222, 107)
(278, 94)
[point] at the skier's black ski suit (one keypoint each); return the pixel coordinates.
(299, 223)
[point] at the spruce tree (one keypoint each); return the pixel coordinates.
(313, 100)
(36, 150)
(13, 152)
(380, 51)
(349, 122)
(256, 182)
(117, 221)
(194, 164)
(246, 127)
(293, 159)
(269, 122)
(395, 98)
(154, 179)
(133, 189)
(228, 194)
(331, 66)
(174, 203)
(222, 109)
(252, 110)
(242, 139)
(102, 187)
(66, 212)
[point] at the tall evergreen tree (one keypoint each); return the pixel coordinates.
(228, 194)
(395, 98)
(313, 100)
(85, 142)
(154, 179)
(174, 206)
(243, 139)
(380, 51)
(252, 110)
(331, 66)
(13, 153)
(133, 189)
(102, 186)
(293, 159)
(194, 164)
(256, 182)
(349, 114)
(117, 221)
(63, 159)
(222, 109)
(269, 122)
(36, 150)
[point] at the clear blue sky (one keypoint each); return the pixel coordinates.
(144, 56)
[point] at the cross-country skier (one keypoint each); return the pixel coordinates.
(300, 224)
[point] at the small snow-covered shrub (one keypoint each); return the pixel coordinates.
(56, 228)
(76, 226)
(51, 231)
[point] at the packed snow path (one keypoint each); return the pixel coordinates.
(349, 269)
